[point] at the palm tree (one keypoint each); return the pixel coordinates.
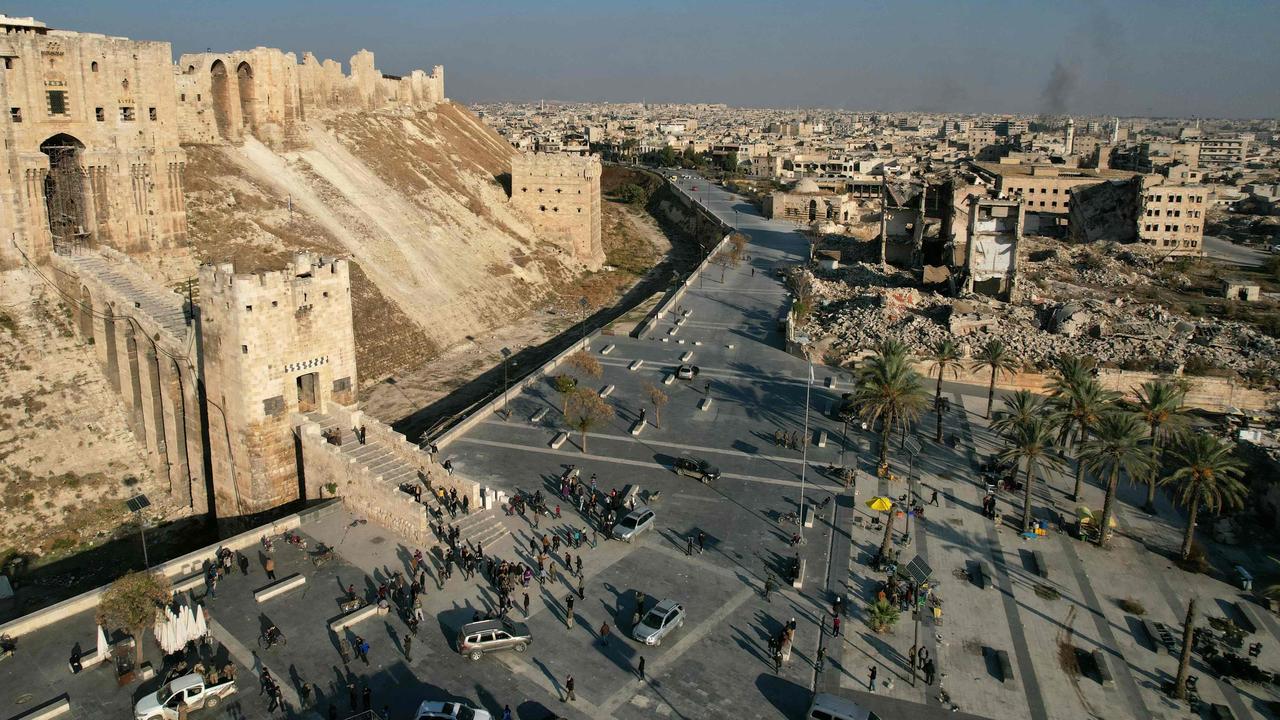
(889, 390)
(1000, 360)
(1019, 407)
(1082, 403)
(1184, 659)
(1205, 473)
(1160, 405)
(1033, 441)
(1118, 446)
(945, 358)
(1069, 373)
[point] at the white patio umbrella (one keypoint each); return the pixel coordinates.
(202, 626)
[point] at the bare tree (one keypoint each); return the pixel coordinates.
(586, 410)
(658, 398)
(584, 363)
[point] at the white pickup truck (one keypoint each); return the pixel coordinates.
(188, 692)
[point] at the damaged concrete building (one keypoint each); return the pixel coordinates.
(1150, 209)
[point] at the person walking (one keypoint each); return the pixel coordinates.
(577, 563)
(568, 612)
(933, 499)
(911, 656)
(929, 669)
(344, 649)
(526, 604)
(871, 681)
(768, 588)
(777, 661)
(604, 634)
(362, 649)
(640, 669)
(408, 648)
(821, 659)
(688, 548)
(367, 697)
(244, 563)
(582, 588)
(270, 567)
(835, 625)
(353, 696)
(702, 541)
(506, 712)
(568, 687)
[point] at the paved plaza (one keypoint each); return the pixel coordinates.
(718, 664)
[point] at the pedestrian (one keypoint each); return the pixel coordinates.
(922, 657)
(344, 649)
(582, 588)
(408, 648)
(526, 604)
(555, 573)
(835, 625)
(213, 586)
(362, 648)
(578, 564)
(871, 682)
(244, 563)
(821, 659)
(768, 588)
(506, 712)
(702, 541)
(643, 414)
(353, 695)
(929, 669)
(367, 697)
(604, 634)
(304, 694)
(933, 499)
(277, 699)
(270, 567)
(911, 656)
(568, 686)
(640, 669)
(417, 609)
(688, 548)
(777, 661)
(448, 466)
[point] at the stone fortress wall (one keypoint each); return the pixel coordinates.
(272, 344)
(560, 194)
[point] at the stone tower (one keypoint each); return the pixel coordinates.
(560, 194)
(273, 344)
(1069, 138)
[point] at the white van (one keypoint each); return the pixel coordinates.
(832, 707)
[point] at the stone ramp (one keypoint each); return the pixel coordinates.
(161, 304)
(479, 526)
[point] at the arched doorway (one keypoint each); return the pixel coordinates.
(135, 386)
(221, 98)
(244, 82)
(64, 197)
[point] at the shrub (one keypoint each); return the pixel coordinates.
(1196, 562)
(882, 616)
(633, 194)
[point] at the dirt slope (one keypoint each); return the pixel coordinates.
(413, 199)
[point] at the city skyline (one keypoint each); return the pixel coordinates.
(1136, 60)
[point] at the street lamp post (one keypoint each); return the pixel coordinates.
(136, 505)
(804, 448)
(582, 303)
(506, 413)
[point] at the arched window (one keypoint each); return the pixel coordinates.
(93, 66)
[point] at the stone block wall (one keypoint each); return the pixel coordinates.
(560, 195)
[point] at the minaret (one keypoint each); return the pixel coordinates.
(1115, 130)
(1070, 139)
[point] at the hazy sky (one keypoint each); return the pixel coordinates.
(1171, 57)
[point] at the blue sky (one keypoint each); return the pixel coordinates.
(1212, 59)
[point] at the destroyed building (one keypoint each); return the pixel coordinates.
(1150, 209)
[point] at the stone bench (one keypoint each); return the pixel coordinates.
(1003, 664)
(637, 427)
(606, 391)
(822, 439)
(189, 583)
(673, 331)
(798, 582)
(1102, 669)
(635, 364)
(559, 439)
(353, 617)
(686, 356)
(704, 403)
(1041, 567)
(538, 415)
(670, 378)
(54, 708)
(279, 587)
(809, 512)
(607, 349)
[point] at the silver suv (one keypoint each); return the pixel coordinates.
(477, 638)
(638, 521)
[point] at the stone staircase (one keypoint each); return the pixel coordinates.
(481, 526)
(159, 303)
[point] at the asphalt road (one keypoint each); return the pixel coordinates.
(1222, 249)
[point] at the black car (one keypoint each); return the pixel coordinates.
(697, 469)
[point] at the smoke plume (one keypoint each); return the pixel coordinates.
(1059, 89)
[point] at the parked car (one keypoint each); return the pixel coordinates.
(659, 622)
(636, 522)
(431, 710)
(485, 636)
(697, 469)
(180, 696)
(833, 707)
(687, 372)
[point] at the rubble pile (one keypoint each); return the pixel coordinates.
(858, 306)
